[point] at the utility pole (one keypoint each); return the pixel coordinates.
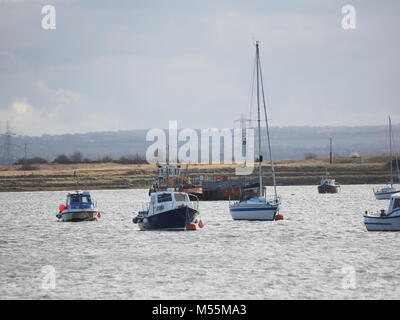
(25, 152)
(7, 155)
(330, 150)
(244, 124)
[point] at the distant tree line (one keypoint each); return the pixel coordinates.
(310, 155)
(77, 157)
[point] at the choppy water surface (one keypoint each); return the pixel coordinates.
(320, 251)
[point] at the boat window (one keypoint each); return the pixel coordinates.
(164, 197)
(396, 203)
(86, 199)
(180, 197)
(75, 199)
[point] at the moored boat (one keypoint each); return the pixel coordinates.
(79, 207)
(169, 210)
(387, 191)
(385, 220)
(253, 204)
(209, 187)
(328, 185)
(255, 208)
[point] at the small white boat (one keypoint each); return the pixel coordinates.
(385, 193)
(79, 207)
(257, 208)
(385, 220)
(328, 186)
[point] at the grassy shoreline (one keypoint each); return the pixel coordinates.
(52, 177)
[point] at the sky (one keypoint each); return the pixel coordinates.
(121, 65)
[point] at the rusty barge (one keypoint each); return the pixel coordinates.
(204, 187)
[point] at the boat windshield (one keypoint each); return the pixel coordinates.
(80, 199)
(180, 197)
(164, 197)
(396, 203)
(75, 199)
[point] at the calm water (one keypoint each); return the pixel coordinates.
(321, 251)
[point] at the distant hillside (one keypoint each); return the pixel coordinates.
(41, 177)
(287, 142)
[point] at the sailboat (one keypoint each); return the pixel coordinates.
(386, 192)
(253, 204)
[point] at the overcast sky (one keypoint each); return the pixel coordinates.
(116, 65)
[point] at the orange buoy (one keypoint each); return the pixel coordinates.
(191, 226)
(201, 224)
(279, 216)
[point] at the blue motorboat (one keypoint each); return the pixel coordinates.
(169, 210)
(79, 207)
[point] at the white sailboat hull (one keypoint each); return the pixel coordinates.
(254, 209)
(385, 195)
(267, 214)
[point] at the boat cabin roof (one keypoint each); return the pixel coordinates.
(79, 193)
(167, 196)
(327, 180)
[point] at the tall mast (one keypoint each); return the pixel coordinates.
(267, 128)
(395, 157)
(391, 152)
(258, 119)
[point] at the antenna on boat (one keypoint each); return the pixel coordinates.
(76, 176)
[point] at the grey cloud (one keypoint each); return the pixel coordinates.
(138, 64)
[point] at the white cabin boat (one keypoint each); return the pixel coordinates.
(79, 207)
(385, 220)
(169, 210)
